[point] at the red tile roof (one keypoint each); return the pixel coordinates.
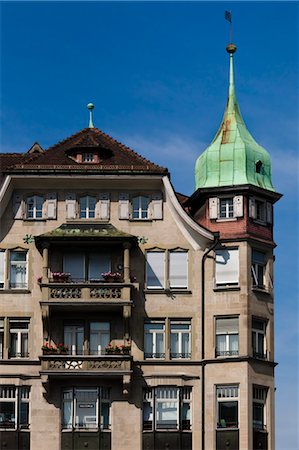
(118, 157)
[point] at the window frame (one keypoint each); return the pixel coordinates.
(2, 328)
(255, 332)
(227, 351)
(88, 157)
(35, 210)
(12, 263)
(165, 279)
(18, 399)
(155, 333)
(173, 323)
(229, 283)
(183, 397)
(258, 269)
(88, 211)
(227, 399)
(140, 210)
(103, 397)
(229, 212)
(19, 332)
(262, 403)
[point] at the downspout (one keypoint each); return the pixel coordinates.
(205, 255)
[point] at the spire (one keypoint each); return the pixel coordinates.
(90, 106)
(234, 157)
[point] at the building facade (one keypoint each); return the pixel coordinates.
(132, 316)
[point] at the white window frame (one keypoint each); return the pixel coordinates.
(255, 266)
(166, 275)
(228, 203)
(21, 264)
(233, 207)
(1, 337)
(19, 331)
(16, 395)
(227, 334)
(259, 396)
(154, 332)
(255, 338)
(229, 280)
(227, 394)
(180, 332)
(2, 268)
(87, 157)
(139, 210)
(89, 213)
(35, 211)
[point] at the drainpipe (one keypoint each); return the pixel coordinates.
(205, 255)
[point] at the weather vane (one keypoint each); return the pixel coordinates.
(228, 17)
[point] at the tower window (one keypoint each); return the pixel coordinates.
(258, 166)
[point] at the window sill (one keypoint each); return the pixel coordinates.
(35, 220)
(22, 361)
(168, 291)
(228, 219)
(227, 429)
(226, 287)
(15, 291)
(140, 220)
(261, 290)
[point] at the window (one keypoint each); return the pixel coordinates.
(167, 269)
(86, 408)
(259, 407)
(227, 406)
(260, 210)
(258, 166)
(18, 336)
(18, 269)
(99, 337)
(259, 338)
(87, 207)
(227, 267)
(74, 338)
(154, 339)
(35, 207)
(86, 266)
(227, 336)
(1, 337)
(140, 206)
(224, 208)
(87, 157)
(180, 334)
(167, 408)
(14, 407)
(258, 269)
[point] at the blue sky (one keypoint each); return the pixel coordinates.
(158, 76)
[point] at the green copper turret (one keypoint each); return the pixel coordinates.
(233, 158)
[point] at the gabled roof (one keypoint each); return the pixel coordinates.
(116, 156)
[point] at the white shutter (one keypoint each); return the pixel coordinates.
(252, 208)
(70, 204)
(213, 208)
(227, 325)
(2, 266)
(238, 206)
(123, 206)
(157, 206)
(51, 206)
(178, 269)
(18, 206)
(227, 266)
(155, 270)
(269, 213)
(104, 206)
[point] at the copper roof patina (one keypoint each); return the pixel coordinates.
(234, 157)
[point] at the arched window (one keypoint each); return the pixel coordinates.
(258, 166)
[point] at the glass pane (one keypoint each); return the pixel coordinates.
(228, 414)
(185, 344)
(160, 343)
(24, 413)
(186, 414)
(73, 263)
(18, 274)
(98, 264)
(174, 344)
(166, 415)
(7, 415)
(147, 416)
(13, 345)
(1, 344)
(154, 326)
(258, 415)
(83, 206)
(18, 256)
(221, 342)
(99, 337)
(91, 207)
(148, 344)
(105, 416)
(234, 343)
(178, 269)
(24, 345)
(260, 348)
(67, 414)
(86, 402)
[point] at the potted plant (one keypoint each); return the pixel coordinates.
(126, 349)
(61, 277)
(63, 349)
(49, 349)
(112, 350)
(111, 276)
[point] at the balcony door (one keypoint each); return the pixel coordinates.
(86, 266)
(74, 338)
(99, 337)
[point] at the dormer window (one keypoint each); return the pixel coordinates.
(88, 157)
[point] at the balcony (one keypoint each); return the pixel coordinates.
(76, 293)
(57, 366)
